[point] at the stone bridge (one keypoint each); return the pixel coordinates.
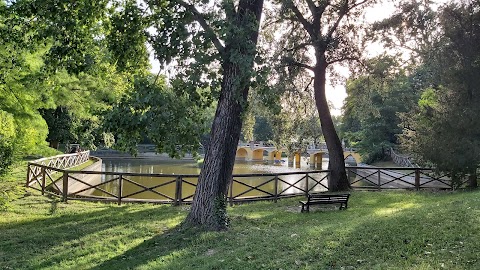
(255, 151)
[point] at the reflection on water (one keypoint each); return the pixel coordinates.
(164, 187)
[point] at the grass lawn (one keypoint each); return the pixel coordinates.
(379, 230)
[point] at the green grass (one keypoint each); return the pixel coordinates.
(379, 230)
(83, 165)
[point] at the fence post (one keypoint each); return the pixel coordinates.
(120, 187)
(178, 190)
(43, 180)
(231, 191)
(65, 186)
(276, 188)
(306, 185)
(379, 180)
(28, 176)
(417, 179)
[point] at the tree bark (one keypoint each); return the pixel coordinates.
(338, 180)
(472, 181)
(209, 203)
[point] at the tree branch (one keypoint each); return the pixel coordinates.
(299, 46)
(342, 12)
(306, 24)
(204, 24)
(292, 62)
(312, 6)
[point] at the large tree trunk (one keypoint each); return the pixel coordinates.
(208, 208)
(209, 203)
(338, 180)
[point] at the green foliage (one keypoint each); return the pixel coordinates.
(371, 121)
(59, 123)
(7, 137)
(69, 28)
(59, 60)
(127, 37)
(442, 131)
(174, 123)
(262, 129)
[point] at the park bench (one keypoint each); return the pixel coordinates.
(313, 199)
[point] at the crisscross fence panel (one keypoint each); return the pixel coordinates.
(269, 186)
(400, 178)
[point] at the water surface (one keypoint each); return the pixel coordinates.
(166, 186)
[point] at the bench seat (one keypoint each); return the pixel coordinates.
(313, 199)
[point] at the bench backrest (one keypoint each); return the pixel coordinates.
(332, 197)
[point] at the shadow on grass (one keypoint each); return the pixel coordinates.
(159, 251)
(51, 239)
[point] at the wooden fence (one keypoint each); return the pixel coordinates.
(179, 189)
(400, 178)
(174, 189)
(40, 171)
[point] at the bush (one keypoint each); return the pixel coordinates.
(7, 136)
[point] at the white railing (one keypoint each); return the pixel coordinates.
(401, 160)
(38, 170)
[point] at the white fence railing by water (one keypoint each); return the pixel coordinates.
(38, 171)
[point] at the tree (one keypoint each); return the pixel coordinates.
(67, 60)
(59, 123)
(207, 40)
(7, 136)
(262, 130)
(442, 131)
(328, 29)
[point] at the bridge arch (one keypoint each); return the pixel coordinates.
(257, 154)
(242, 154)
(274, 155)
(354, 155)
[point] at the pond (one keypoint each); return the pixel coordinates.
(165, 188)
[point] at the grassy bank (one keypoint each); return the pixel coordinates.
(379, 230)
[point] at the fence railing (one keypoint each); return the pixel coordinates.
(40, 170)
(401, 160)
(174, 189)
(401, 178)
(179, 189)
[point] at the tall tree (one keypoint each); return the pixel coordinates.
(206, 39)
(329, 30)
